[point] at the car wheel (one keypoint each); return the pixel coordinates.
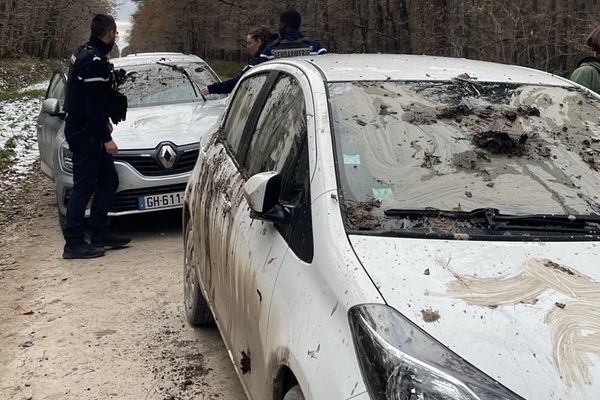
(294, 393)
(197, 310)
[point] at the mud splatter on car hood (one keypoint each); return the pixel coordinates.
(523, 313)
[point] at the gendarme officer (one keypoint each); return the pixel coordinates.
(291, 43)
(90, 88)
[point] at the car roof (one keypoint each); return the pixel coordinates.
(150, 58)
(381, 67)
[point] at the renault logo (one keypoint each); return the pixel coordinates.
(167, 156)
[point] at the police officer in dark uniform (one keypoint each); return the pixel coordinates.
(256, 40)
(291, 43)
(90, 88)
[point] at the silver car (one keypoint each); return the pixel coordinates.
(158, 142)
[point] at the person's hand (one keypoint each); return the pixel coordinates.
(204, 90)
(111, 148)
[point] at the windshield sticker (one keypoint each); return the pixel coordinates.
(574, 321)
(382, 193)
(352, 159)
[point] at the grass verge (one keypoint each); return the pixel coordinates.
(225, 69)
(16, 95)
(19, 72)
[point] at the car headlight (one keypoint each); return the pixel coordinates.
(66, 158)
(399, 361)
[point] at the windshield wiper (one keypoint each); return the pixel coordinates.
(179, 68)
(491, 218)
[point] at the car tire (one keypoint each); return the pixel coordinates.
(294, 393)
(197, 310)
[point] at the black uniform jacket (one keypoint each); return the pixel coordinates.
(88, 93)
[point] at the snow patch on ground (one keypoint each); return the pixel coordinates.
(36, 86)
(18, 131)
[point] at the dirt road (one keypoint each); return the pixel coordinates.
(107, 328)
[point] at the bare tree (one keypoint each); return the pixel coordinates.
(46, 28)
(544, 34)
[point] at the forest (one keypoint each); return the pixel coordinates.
(543, 34)
(46, 28)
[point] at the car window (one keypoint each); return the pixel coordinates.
(56, 90)
(239, 110)
(280, 125)
(279, 143)
(165, 83)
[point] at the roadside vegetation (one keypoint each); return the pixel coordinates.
(46, 28)
(225, 69)
(18, 95)
(18, 110)
(18, 73)
(19, 103)
(543, 34)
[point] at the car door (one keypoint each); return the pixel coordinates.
(220, 187)
(49, 125)
(278, 142)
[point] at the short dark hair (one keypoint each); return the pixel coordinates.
(291, 19)
(593, 41)
(102, 23)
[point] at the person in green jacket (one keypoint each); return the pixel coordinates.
(588, 70)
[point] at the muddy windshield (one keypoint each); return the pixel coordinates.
(165, 83)
(462, 146)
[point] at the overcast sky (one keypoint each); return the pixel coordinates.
(123, 16)
(125, 10)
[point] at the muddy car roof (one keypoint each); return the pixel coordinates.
(149, 58)
(378, 67)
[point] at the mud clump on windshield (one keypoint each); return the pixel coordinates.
(429, 160)
(500, 143)
(470, 160)
(454, 112)
(360, 214)
(384, 110)
(430, 315)
(529, 111)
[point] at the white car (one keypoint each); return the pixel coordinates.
(158, 142)
(401, 227)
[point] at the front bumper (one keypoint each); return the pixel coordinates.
(131, 185)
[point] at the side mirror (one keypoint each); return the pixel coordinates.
(262, 193)
(51, 107)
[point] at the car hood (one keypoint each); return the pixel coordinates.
(180, 124)
(526, 314)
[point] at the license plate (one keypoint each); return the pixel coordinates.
(160, 200)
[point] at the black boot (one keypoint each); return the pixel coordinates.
(109, 239)
(82, 250)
